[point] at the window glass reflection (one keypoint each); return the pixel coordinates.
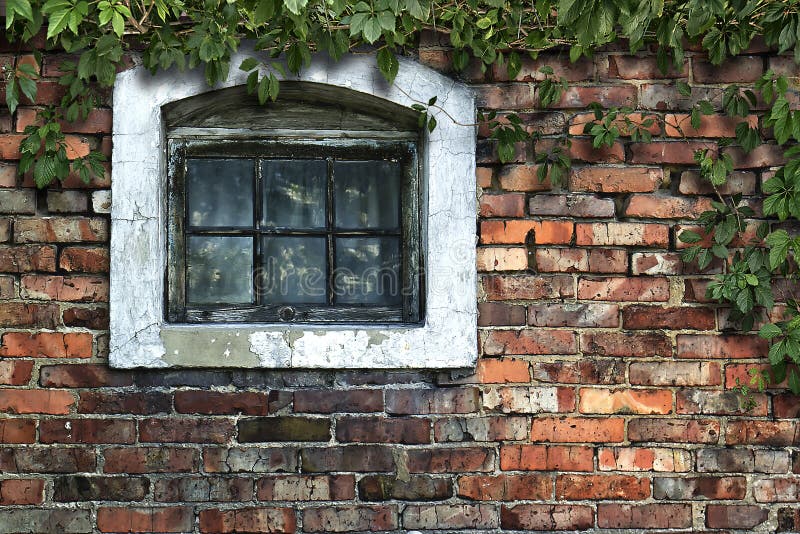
(294, 193)
(368, 270)
(367, 194)
(219, 192)
(294, 270)
(219, 270)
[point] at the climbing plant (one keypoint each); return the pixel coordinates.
(205, 34)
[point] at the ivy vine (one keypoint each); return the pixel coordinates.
(205, 33)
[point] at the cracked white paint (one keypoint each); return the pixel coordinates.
(448, 339)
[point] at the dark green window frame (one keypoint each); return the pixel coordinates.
(397, 147)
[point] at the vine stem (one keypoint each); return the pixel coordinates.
(435, 106)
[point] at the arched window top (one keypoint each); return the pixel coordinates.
(299, 106)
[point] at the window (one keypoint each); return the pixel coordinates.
(322, 231)
(319, 227)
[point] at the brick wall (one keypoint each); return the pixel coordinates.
(602, 400)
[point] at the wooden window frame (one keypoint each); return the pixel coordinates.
(189, 143)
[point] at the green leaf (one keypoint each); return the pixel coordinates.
(684, 89)
(21, 8)
(57, 22)
(263, 90)
(372, 30)
(12, 93)
(295, 6)
(249, 64)
(794, 381)
(769, 331)
(388, 64)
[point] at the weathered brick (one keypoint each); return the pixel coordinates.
(350, 518)
(674, 430)
(47, 460)
(679, 125)
(644, 459)
(172, 430)
(615, 179)
(522, 178)
(522, 231)
(202, 489)
(83, 376)
(675, 374)
(622, 234)
(667, 97)
(589, 371)
(700, 401)
(698, 488)
(527, 287)
(20, 491)
(59, 520)
(305, 488)
(612, 487)
(652, 317)
(581, 70)
(87, 431)
(692, 183)
(499, 314)
(150, 460)
(738, 70)
(125, 519)
(114, 402)
(355, 458)
(272, 519)
(775, 433)
(644, 516)
(18, 201)
(506, 96)
(427, 401)
(727, 346)
(546, 517)
(415, 488)
(60, 230)
(26, 258)
(584, 150)
(624, 289)
(666, 152)
(561, 260)
(766, 155)
(86, 317)
(711, 460)
(451, 516)
(576, 97)
(623, 344)
(101, 201)
(450, 460)
(22, 401)
(66, 201)
(75, 488)
(249, 460)
(735, 516)
(581, 315)
(534, 487)
(64, 288)
(219, 403)
(7, 288)
(571, 206)
(578, 430)
(323, 401)
(498, 428)
(84, 259)
(505, 205)
(46, 345)
(628, 67)
(776, 489)
(529, 399)
(410, 430)
(502, 371)
(666, 207)
(546, 458)
(15, 373)
(531, 341)
(638, 401)
(502, 259)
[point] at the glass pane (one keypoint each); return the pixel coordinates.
(294, 193)
(220, 270)
(219, 192)
(367, 194)
(294, 270)
(368, 270)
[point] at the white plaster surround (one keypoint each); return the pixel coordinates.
(140, 337)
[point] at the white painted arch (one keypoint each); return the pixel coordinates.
(140, 337)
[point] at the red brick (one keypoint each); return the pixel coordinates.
(306, 488)
(219, 403)
(738, 182)
(522, 178)
(492, 428)
(35, 401)
(21, 491)
(625, 401)
(17, 430)
(736, 70)
(674, 430)
(324, 401)
(735, 517)
(576, 97)
(561, 260)
(9, 146)
(65, 288)
(578, 430)
(615, 179)
(666, 152)
(581, 70)
(350, 518)
(667, 97)
(666, 207)
(515, 231)
(186, 430)
(505, 205)
(483, 176)
(202, 489)
(622, 234)
(408, 430)
(60, 230)
(679, 125)
(727, 346)
(546, 517)
(741, 372)
(502, 259)
(638, 317)
(589, 371)
(137, 403)
(584, 150)
(450, 460)
(643, 459)
(150, 460)
(580, 487)
(773, 433)
(529, 399)
(98, 121)
(644, 516)
(83, 376)
(428, 401)
(15, 373)
(355, 458)
(500, 314)
(579, 122)
(534, 341)
(125, 519)
(450, 516)
(87, 431)
(765, 155)
(700, 401)
(22, 259)
(527, 287)
(582, 315)
(91, 317)
(786, 406)
(776, 490)
(624, 289)
(502, 371)
(46, 345)
(546, 458)
(675, 374)
(274, 520)
(506, 487)
(84, 259)
(608, 261)
(689, 488)
(507, 96)
(623, 344)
